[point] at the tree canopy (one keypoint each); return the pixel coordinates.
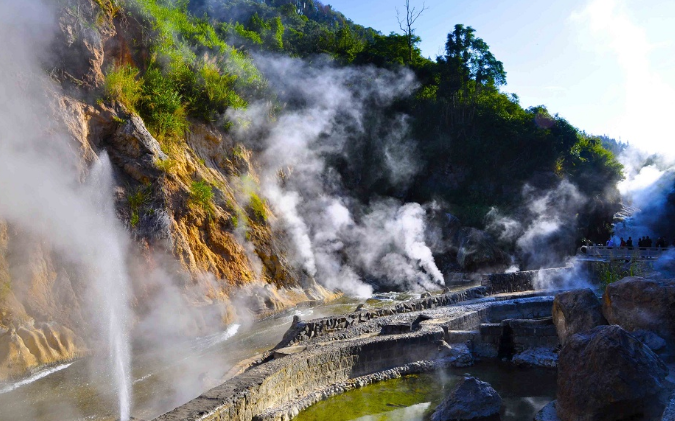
(476, 146)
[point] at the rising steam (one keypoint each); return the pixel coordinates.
(341, 241)
(41, 189)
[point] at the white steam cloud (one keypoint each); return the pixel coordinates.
(543, 230)
(649, 181)
(340, 241)
(41, 191)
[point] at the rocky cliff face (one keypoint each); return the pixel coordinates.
(207, 252)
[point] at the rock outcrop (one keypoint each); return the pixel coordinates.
(608, 375)
(470, 399)
(536, 357)
(30, 346)
(575, 312)
(639, 303)
(209, 254)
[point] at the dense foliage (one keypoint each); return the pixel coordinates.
(475, 145)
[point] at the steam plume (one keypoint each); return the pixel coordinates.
(340, 240)
(41, 191)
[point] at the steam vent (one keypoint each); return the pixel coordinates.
(269, 210)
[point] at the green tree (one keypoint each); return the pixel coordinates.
(468, 58)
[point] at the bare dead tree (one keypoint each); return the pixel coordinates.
(406, 24)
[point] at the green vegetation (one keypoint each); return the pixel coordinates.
(258, 207)
(137, 199)
(123, 85)
(161, 106)
(610, 272)
(166, 165)
(201, 194)
(208, 82)
(180, 83)
(5, 290)
(462, 122)
(474, 145)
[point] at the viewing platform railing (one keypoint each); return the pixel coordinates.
(620, 253)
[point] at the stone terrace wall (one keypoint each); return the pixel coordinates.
(289, 379)
(327, 325)
(498, 283)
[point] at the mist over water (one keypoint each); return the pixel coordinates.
(42, 192)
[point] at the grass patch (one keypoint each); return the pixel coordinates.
(610, 272)
(5, 289)
(161, 106)
(123, 85)
(205, 83)
(201, 195)
(167, 165)
(137, 200)
(258, 207)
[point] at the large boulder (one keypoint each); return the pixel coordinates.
(478, 249)
(608, 375)
(470, 399)
(575, 312)
(638, 303)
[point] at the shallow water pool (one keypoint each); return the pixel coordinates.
(413, 398)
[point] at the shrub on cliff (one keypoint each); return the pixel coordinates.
(123, 85)
(201, 194)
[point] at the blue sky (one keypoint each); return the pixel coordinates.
(607, 66)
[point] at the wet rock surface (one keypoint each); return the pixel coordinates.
(575, 312)
(608, 375)
(536, 357)
(458, 355)
(470, 399)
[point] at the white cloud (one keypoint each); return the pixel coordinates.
(607, 27)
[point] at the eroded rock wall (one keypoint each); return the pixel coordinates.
(206, 255)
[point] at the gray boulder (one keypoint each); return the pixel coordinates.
(470, 399)
(576, 311)
(608, 375)
(638, 303)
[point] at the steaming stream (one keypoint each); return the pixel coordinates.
(160, 380)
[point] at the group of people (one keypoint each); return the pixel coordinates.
(642, 242)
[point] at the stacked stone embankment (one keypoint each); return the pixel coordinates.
(329, 326)
(283, 381)
(497, 283)
(323, 357)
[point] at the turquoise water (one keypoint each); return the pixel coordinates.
(413, 398)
